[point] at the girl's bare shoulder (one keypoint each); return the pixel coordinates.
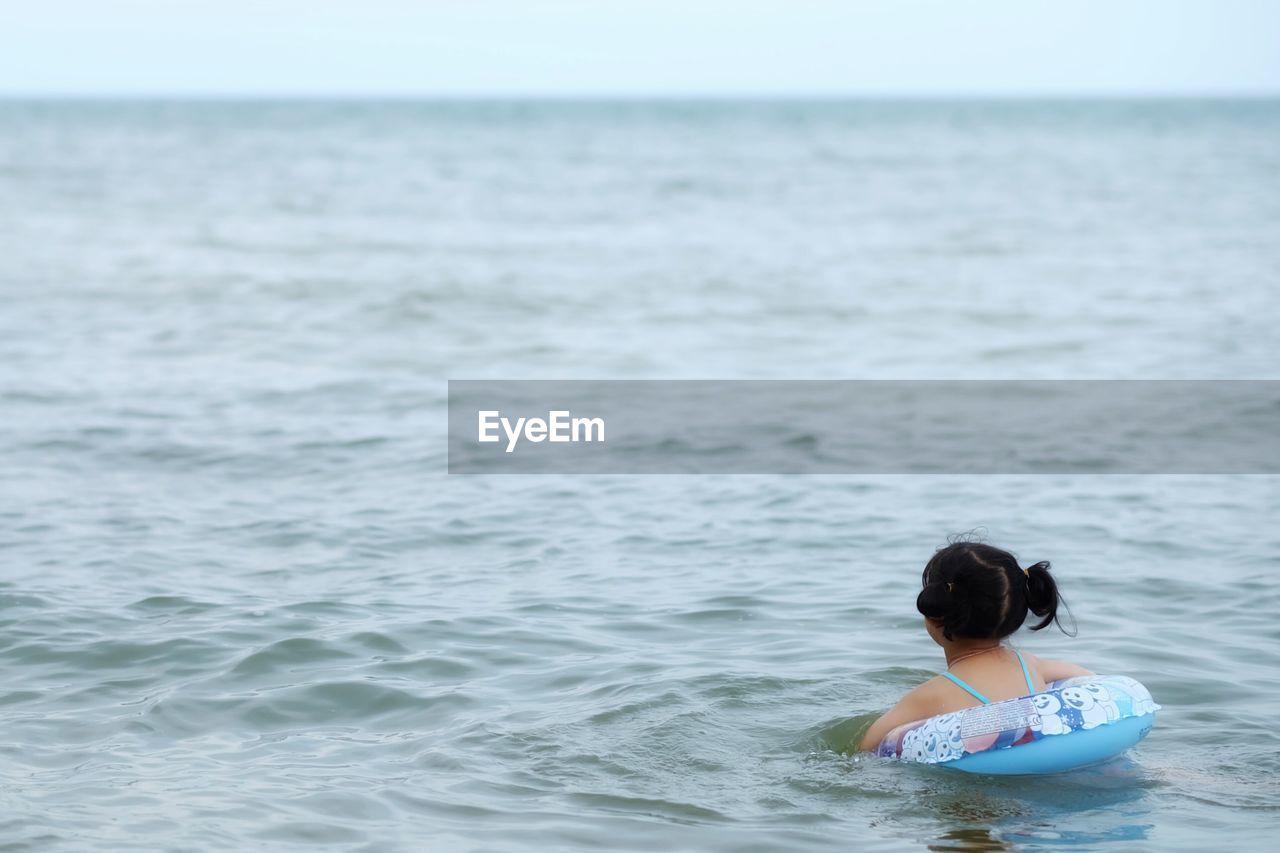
(930, 697)
(1053, 670)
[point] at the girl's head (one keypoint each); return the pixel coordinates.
(979, 592)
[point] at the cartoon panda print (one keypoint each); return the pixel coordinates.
(912, 746)
(950, 744)
(1102, 697)
(929, 742)
(1082, 702)
(1047, 707)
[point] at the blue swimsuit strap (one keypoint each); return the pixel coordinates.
(975, 694)
(1031, 688)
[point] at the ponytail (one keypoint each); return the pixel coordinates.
(1043, 598)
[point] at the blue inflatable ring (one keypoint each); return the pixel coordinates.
(1072, 723)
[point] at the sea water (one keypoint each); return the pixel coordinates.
(242, 605)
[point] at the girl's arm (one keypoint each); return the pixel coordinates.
(916, 705)
(1053, 670)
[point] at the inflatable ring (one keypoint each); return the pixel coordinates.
(1072, 723)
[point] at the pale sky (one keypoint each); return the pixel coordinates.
(639, 47)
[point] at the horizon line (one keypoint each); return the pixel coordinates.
(637, 96)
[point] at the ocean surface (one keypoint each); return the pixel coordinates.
(242, 606)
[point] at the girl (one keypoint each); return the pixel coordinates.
(974, 596)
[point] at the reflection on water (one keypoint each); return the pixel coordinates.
(969, 839)
(1095, 805)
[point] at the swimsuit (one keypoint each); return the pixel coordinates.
(1031, 688)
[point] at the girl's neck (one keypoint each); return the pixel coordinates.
(957, 652)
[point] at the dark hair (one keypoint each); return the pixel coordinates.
(980, 592)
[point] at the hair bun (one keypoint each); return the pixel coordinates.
(971, 589)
